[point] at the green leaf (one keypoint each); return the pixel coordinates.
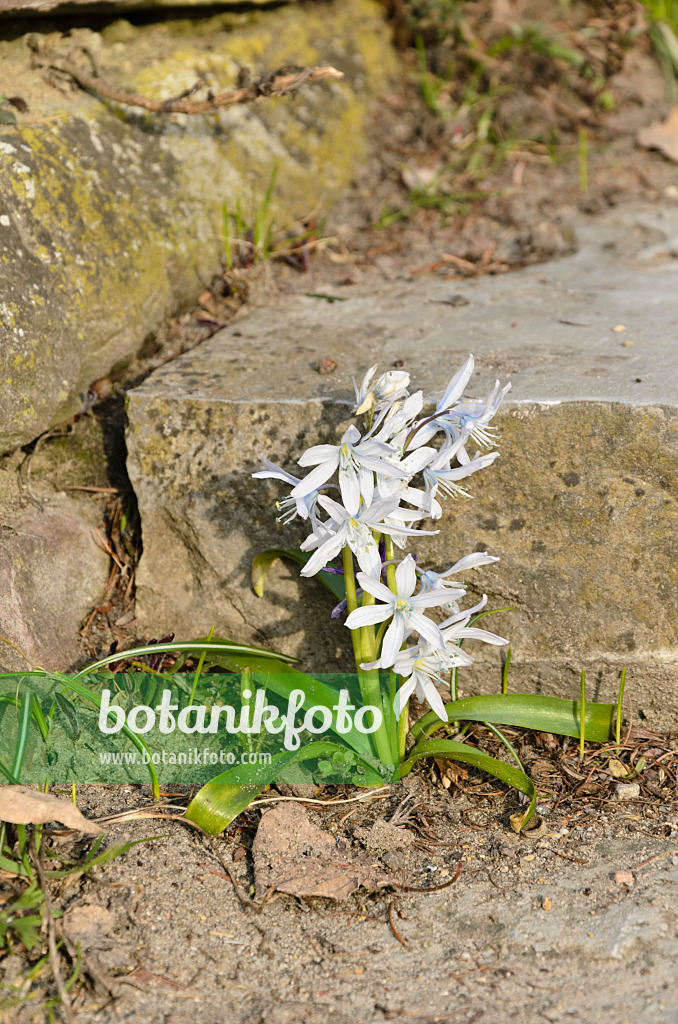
(40, 720)
(22, 735)
(265, 559)
(282, 679)
(285, 680)
(69, 713)
(463, 752)
(87, 694)
(111, 852)
(19, 919)
(527, 710)
(216, 805)
(6, 116)
(14, 867)
(211, 646)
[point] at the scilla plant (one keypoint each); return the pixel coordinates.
(364, 500)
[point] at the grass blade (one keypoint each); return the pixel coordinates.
(198, 670)
(582, 715)
(22, 734)
(620, 702)
(87, 694)
(505, 740)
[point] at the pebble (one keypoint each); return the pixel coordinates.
(626, 791)
(618, 329)
(624, 878)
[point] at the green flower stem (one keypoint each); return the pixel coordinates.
(394, 726)
(399, 730)
(351, 601)
(371, 687)
(364, 650)
(454, 695)
(403, 730)
(390, 569)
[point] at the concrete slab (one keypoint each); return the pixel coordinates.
(581, 506)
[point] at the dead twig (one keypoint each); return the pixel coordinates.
(275, 83)
(51, 938)
(313, 945)
(328, 803)
(396, 933)
(642, 863)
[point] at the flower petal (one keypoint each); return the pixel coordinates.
(471, 561)
(313, 480)
(457, 384)
(402, 696)
(319, 453)
(328, 550)
(406, 577)
(428, 629)
(367, 553)
(368, 616)
(336, 511)
(350, 489)
(482, 634)
(427, 689)
(376, 588)
(393, 641)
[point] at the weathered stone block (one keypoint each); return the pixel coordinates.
(110, 218)
(581, 506)
(51, 569)
(38, 8)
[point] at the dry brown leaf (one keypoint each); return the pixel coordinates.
(296, 857)
(24, 806)
(618, 769)
(662, 136)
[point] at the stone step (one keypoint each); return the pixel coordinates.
(581, 505)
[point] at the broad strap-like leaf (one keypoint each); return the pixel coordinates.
(526, 710)
(463, 752)
(216, 805)
(215, 647)
(265, 559)
(282, 679)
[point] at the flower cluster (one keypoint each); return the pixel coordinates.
(389, 478)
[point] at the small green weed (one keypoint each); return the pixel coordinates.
(243, 245)
(7, 115)
(663, 16)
